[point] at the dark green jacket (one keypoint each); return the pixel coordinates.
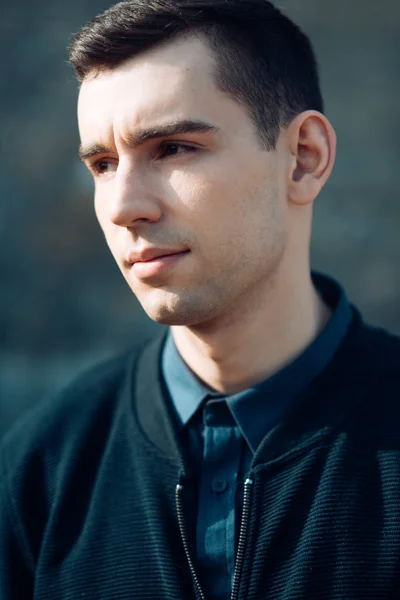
(89, 502)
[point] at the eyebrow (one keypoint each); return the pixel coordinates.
(144, 135)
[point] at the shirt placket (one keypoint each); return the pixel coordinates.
(215, 536)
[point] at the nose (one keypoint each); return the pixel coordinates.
(133, 198)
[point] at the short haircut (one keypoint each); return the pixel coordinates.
(263, 60)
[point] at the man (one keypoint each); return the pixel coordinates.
(253, 452)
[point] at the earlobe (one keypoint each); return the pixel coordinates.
(312, 145)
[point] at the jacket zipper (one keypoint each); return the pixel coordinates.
(241, 544)
(244, 526)
(182, 527)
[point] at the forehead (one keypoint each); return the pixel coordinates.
(173, 80)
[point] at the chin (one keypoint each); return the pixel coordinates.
(170, 320)
(165, 316)
(177, 310)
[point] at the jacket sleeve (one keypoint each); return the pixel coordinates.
(16, 566)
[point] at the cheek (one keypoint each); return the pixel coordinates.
(190, 192)
(209, 198)
(107, 227)
(227, 211)
(100, 209)
(97, 204)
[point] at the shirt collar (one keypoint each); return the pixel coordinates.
(258, 409)
(186, 390)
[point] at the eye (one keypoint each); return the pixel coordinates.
(104, 167)
(170, 149)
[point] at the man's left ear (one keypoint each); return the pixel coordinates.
(312, 145)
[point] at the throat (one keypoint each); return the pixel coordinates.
(241, 355)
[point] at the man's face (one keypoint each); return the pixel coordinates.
(206, 195)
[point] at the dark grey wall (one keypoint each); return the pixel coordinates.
(63, 303)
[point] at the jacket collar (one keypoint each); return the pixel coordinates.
(332, 397)
(317, 411)
(152, 405)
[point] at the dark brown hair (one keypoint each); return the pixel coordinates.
(264, 61)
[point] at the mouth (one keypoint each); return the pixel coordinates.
(156, 265)
(149, 254)
(160, 257)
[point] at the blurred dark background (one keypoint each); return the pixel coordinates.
(63, 302)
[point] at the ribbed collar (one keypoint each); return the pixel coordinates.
(341, 396)
(257, 410)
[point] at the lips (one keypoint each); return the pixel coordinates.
(156, 263)
(150, 254)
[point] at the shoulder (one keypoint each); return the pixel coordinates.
(375, 364)
(381, 350)
(93, 390)
(58, 448)
(374, 371)
(77, 421)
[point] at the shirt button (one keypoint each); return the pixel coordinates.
(219, 486)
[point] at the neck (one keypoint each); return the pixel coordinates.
(240, 349)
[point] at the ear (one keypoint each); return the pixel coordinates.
(312, 145)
